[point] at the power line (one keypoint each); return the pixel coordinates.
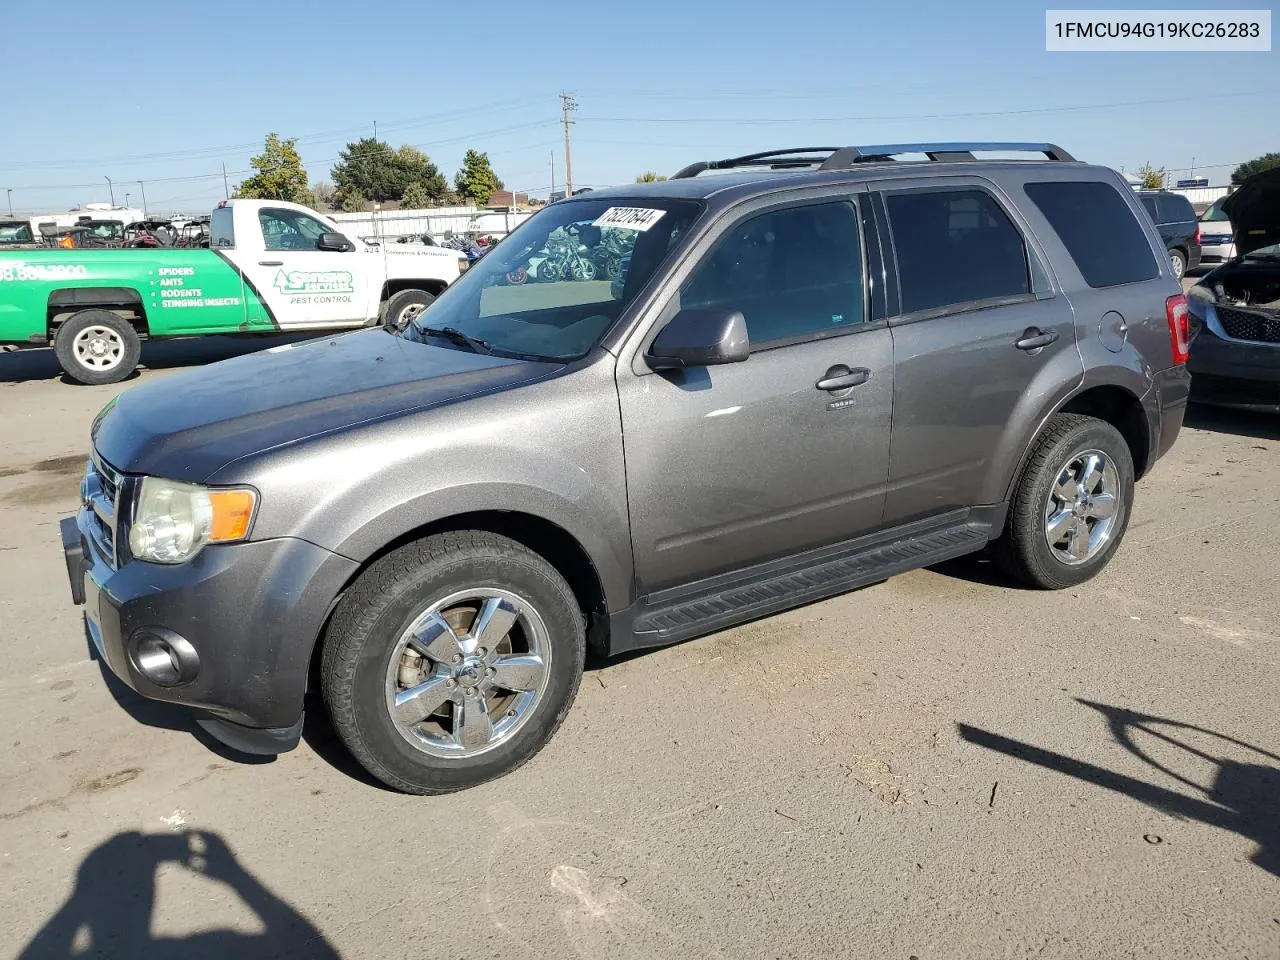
(931, 116)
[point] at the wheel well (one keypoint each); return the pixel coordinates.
(391, 287)
(553, 543)
(125, 302)
(1122, 410)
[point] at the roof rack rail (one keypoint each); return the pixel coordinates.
(842, 158)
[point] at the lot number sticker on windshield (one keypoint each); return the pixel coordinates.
(629, 218)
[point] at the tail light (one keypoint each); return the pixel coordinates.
(1197, 232)
(1178, 314)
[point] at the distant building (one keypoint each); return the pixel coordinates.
(505, 200)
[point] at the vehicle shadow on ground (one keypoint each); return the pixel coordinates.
(1240, 423)
(168, 716)
(1241, 797)
(108, 913)
(21, 366)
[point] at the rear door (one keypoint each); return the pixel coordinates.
(741, 463)
(979, 332)
(302, 285)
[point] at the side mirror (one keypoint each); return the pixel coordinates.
(700, 337)
(335, 242)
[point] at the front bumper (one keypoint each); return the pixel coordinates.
(1234, 373)
(250, 612)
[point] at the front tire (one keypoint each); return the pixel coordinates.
(404, 307)
(1070, 508)
(96, 347)
(452, 661)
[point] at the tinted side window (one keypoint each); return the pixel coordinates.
(1175, 209)
(1149, 204)
(1098, 229)
(793, 273)
(953, 247)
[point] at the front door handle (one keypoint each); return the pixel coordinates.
(842, 378)
(271, 263)
(1033, 338)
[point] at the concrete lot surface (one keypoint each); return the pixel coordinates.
(941, 766)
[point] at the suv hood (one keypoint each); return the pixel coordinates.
(188, 426)
(1254, 210)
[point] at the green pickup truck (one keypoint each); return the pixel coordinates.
(271, 267)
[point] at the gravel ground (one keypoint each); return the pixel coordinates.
(940, 766)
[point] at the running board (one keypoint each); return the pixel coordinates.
(680, 613)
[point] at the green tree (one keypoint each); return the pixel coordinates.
(476, 181)
(280, 175)
(370, 169)
(1152, 179)
(1256, 165)
(649, 177)
(416, 197)
(352, 202)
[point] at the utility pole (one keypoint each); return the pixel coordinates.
(9, 190)
(126, 198)
(553, 178)
(226, 190)
(143, 187)
(567, 105)
(1193, 168)
(112, 190)
(375, 130)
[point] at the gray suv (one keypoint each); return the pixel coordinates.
(781, 377)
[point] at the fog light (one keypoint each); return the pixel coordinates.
(163, 657)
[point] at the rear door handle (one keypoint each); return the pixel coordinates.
(842, 378)
(1034, 339)
(271, 263)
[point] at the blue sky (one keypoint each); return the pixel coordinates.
(165, 92)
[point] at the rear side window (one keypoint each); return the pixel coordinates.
(1149, 204)
(1175, 209)
(955, 247)
(1099, 230)
(794, 273)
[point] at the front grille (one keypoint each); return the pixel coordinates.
(101, 493)
(1256, 325)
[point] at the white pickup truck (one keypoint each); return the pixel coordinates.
(271, 266)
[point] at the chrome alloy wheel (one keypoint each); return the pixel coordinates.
(1080, 514)
(468, 673)
(98, 348)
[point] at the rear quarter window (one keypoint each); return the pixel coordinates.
(1176, 209)
(1099, 230)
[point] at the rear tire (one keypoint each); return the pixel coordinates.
(385, 644)
(1056, 535)
(404, 306)
(96, 347)
(1178, 262)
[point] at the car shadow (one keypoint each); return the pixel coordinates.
(1240, 423)
(21, 366)
(1241, 798)
(978, 568)
(108, 913)
(169, 716)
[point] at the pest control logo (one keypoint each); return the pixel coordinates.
(313, 281)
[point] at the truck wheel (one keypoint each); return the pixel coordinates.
(452, 661)
(404, 306)
(1070, 508)
(96, 347)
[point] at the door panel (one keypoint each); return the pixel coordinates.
(305, 287)
(741, 463)
(985, 340)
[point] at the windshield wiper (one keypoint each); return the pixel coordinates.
(457, 336)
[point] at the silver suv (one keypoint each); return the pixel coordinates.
(763, 382)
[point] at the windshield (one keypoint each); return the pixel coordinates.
(1214, 214)
(553, 287)
(16, 233)
(1264, 253)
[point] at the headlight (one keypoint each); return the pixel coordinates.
(463, 264)
(174, 521)
(1198, 297)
